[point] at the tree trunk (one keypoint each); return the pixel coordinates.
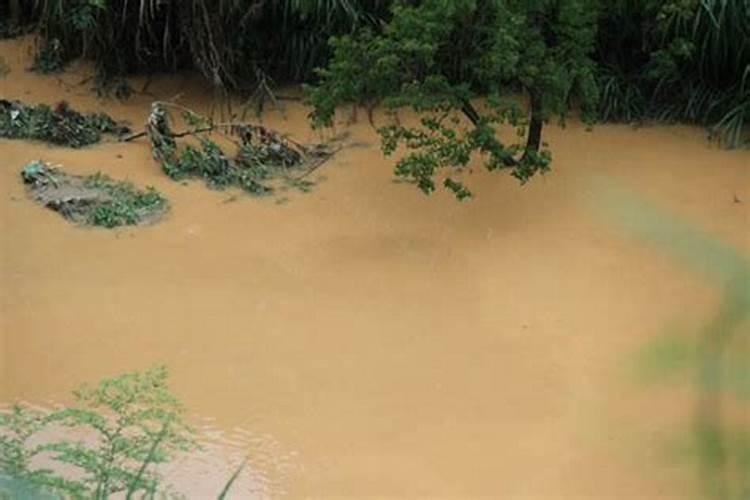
(534, 139)
(536, 123)
(470, 112)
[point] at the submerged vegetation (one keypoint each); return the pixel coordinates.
(261, 157)
(60, 125)
(94, 200)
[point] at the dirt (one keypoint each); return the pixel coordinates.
(367, 341)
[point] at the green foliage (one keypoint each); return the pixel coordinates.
(137, 424)
(96, 199)
(61, 125)
(49, 57)
(211, 164)
(125, 205)
(669, 60)
(19, 425)
(438, 57)
(13, 488)
(261, 157)
(234, 43)
(685, 60)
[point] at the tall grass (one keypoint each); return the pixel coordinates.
(234, 43)
(677, 61)
(665, 60)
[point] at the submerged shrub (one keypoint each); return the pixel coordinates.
(61, 125)
(261, 155)
(95, 200)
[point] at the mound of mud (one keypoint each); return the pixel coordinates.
(61, 126)
(95, 200)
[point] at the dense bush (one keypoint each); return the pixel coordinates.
(686, 60)
(677, 60)
(235, 43)
(615, 60)
(439, 57)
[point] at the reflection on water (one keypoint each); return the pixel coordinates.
(204, 473)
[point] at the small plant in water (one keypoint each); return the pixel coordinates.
(135, 421)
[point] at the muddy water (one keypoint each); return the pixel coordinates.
(364, 340)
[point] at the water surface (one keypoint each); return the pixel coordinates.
(364, 340)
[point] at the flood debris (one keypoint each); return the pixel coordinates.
(95, 200)
(61, 125)
(251, 157)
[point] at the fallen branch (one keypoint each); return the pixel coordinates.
(262, 155)
(175, 135)
(316, 165)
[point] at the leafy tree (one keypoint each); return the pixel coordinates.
(459, 63)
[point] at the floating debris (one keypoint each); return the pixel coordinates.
(261, 158)
(61, 125)
(95, 200)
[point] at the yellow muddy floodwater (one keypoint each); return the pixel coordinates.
(364, 340)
